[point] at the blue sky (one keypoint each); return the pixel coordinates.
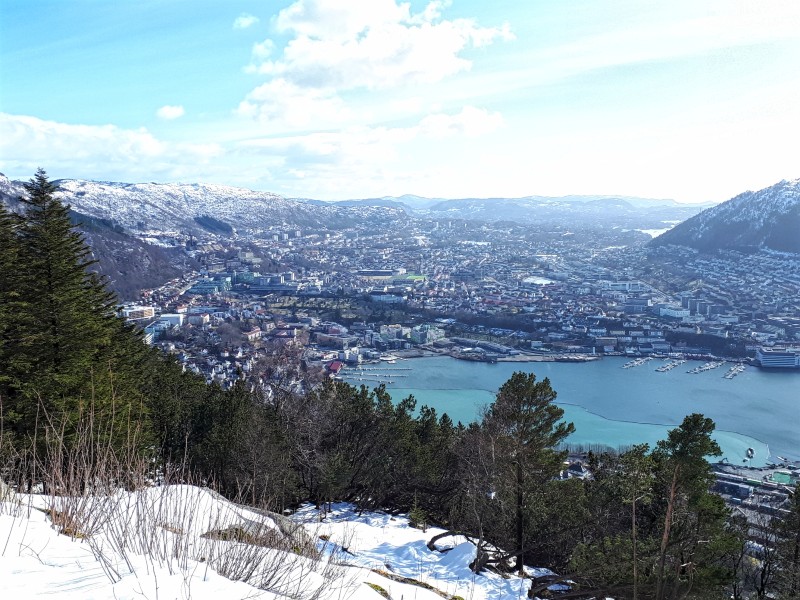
(694, 100)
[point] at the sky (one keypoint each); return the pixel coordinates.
(694, 100)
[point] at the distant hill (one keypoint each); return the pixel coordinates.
(202, 208)
(589, 211)
(580, 211)
(129, 263)
(766, 219)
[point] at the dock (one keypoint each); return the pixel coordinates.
(706, 367)
(637, 362)
(670, 365)
(734, 371)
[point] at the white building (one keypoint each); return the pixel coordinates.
(778, 358)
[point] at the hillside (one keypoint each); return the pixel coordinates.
(122, 221)
(589, 211)
(181, 541)
(130, 263)
(768, 219)
(202, 208)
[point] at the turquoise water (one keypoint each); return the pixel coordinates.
(618, 407)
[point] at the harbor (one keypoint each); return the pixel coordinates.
(637, 362)
(618, 407)
(734, 371)
(383, 372)
(670, 365)
(714, 364)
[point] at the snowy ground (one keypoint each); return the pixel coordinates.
(188, 543)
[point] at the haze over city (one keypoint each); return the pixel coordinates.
(686, 100)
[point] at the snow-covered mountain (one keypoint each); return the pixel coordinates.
(142, 207)
(766, 219)
(130, 263)
(590, 211)
(192, 208)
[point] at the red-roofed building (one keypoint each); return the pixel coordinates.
(335, 366)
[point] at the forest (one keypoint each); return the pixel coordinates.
(79, 390)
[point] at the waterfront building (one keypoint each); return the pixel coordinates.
(778, 358)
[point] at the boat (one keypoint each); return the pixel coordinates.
(734, 371)
(750, 453)
(707, 367)
(636, 362)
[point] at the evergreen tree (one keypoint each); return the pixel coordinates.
(524, 425)
(10, 299)
(691, 512)
(74, 358)
(679, 540)
(787, 577)
(636, 481)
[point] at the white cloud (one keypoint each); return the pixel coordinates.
(262, 51)
(336, 52)
(244, 20)
(381, 159)
(361, 140)
(371, 44)
(170, 112)
(94, 151)
(282, 105)
(471, 122)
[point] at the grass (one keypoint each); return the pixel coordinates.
(378, 589)
(109, 499)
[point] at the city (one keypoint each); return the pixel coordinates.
(558, 296)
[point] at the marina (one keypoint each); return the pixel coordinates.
(380, 373)
(670, 365)
(734, 371)
(637, 362)
(706, 367)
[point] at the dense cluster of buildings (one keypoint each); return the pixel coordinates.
(540, 289)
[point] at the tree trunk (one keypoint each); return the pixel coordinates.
(633, 534)
(795, 569)
(662, 559)
(520, 516)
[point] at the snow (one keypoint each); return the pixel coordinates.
(752, 213)
(37, 561)
(154, 544)
(383, 542)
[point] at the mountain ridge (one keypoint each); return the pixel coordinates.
(140, 207)
(187, 208)
(766, 219)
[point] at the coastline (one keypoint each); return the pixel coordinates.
(569, 358)
(619, 399)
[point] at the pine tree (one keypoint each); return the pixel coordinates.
(525, 426)
(10, 300)
(73, 356)
(787, 580)
(691, 511)
(71, 312)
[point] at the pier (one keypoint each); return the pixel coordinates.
(637, 362)
(670, 365)
(706, 367)
(734, 371)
